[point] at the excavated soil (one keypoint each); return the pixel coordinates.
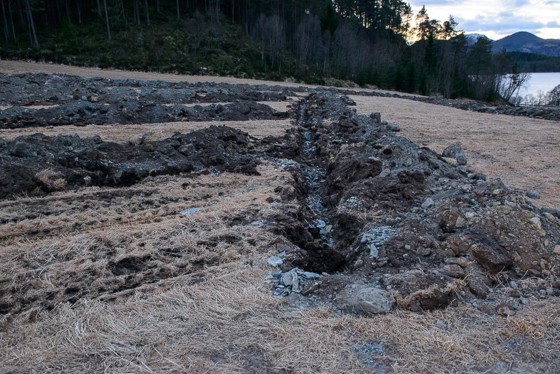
(328, 203)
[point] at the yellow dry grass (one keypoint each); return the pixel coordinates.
(230, 324)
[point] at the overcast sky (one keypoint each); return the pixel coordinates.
(498, 18)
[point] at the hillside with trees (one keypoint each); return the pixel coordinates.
(528, 43)
(310, 41)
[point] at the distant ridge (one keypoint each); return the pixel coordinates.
(526, 42)
(473, 38)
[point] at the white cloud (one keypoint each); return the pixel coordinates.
(498, 18)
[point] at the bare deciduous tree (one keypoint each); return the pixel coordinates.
(554, 96)
(508, 85)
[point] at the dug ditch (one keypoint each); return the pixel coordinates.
(389, 223)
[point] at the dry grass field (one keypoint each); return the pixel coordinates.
(168, 275)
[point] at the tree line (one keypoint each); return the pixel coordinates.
(365, 41)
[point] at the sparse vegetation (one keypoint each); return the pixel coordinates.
(551, 98)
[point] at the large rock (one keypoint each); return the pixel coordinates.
(455, 151)
(363, 299)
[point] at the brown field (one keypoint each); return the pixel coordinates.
(118, 280)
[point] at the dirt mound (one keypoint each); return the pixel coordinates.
(132, 111)
(49, 89)
(406, 220)
(39, 164)
(69, 100)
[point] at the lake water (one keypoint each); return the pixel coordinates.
(543, 82)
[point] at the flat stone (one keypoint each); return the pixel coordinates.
(454, 271)
(477, 281)
(373, 251)
(257, 224)
(533, 194)
(311, 275)
(492, 259)
(274, 261)
(189, 211)
(556, 250)
(428, 203)
(365, 300)
(291, 279)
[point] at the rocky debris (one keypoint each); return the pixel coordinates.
(295, 280)
(454, 235)
(371, 354)
(455, 151)
(69, 100)
(376, 117)
(364, 299)
(375, 237)
(45, 89)
(533, 194)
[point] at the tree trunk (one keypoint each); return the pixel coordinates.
(5, 22)
(12, 21)
(67, 6)
(79, 7)
(136, 9)
(124, 13)
(99, 12)
(147, 12)
(178, 11)
(107, 20)
(32, 33)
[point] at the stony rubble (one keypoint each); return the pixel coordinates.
(448, 234)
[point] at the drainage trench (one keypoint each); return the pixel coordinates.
(318, 220)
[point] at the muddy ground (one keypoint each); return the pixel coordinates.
(233, 232)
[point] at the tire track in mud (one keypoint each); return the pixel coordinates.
(106, 260)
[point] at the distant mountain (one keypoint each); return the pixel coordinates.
(473, 38)
(526, 42)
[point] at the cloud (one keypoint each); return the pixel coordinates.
(498, 18)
